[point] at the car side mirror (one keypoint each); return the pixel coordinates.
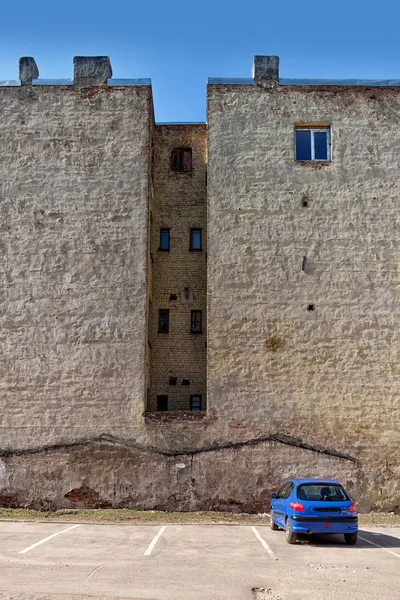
(273, 495)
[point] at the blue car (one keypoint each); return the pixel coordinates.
(314, 506)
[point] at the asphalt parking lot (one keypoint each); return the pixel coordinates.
(43, 561)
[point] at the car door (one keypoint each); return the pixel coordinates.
(278, 503)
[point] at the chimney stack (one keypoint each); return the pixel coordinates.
(28, 70)
(92, 70)
(266, 70)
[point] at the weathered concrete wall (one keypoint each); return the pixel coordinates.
(74, 211)
(114, 473)
(179, 205)
(290, 391)
(330, 375)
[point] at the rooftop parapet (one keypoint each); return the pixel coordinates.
(92, 70)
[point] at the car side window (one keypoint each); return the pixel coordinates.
(285, 490)
(288, 490)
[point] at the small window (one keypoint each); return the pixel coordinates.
(162, 403)
(313, 144)
(195, 239)
(196, 325)
(163, 321)
(195, 403)
(181, 159)
(164, 239)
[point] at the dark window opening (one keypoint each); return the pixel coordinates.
(195, 324)
(195, 403)
(162, 403)
(185, 382)
(163, 321)
(313, 144)
(195, 239)
(181, 159)
(173, 381)
(164, 239)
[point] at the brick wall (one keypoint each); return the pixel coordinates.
(179, 205)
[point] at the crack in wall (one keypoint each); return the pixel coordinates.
(279, 438)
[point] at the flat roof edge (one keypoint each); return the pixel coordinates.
(39, 82)
(304, 82)
(181, 123)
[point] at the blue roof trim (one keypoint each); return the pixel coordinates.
(9, 83)
(52, 82)
(127, 82)
(359, 82)
(229, 81)
(181, 123)
(350, 82)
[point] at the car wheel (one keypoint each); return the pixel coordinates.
(272, 523)
(350, 538)
(290, 535)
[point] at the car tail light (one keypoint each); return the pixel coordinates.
(297, 506)
(352, 508)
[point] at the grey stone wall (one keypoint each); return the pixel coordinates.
(73, 202)
(329, 375)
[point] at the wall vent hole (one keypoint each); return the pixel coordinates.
(311, 307)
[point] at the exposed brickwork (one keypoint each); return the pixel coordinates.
(179, 205)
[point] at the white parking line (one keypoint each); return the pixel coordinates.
(378, 546)
(47, 539)
(155, 540)
(264, 543)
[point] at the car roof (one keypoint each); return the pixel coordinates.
(315, 480)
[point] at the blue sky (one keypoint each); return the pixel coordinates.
(178, 44)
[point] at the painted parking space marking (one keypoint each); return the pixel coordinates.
(378, 546)
(154, 541)
(263, 543)
(46, 539)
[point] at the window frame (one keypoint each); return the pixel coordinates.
(165, 230)
(193, 321)
(178, 160)
(314, 129)
(160, 329)
(191, 248)
(164, 397)
(192, 396)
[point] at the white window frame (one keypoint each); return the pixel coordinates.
(313, 130)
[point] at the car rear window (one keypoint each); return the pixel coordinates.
(321, 492)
